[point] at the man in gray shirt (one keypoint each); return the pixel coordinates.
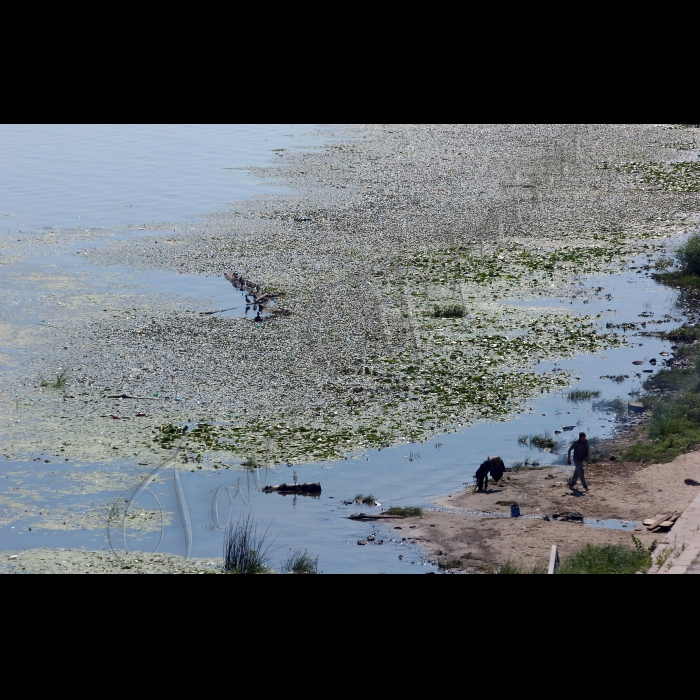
(580, 450)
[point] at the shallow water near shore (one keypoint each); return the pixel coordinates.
(60, 503)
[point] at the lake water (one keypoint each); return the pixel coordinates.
(120, 176)
(88, 175)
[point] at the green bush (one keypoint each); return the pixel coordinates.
(607, 559)
(449, 311)
(404, 512)
(688, 255)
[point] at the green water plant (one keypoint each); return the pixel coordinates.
(367, 500)
(300, 562)
(449, 311)
(543, 442)
(246, 551)
(410, 512)
(59, 383)
(579, 395)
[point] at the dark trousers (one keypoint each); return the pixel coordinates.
(578, 474)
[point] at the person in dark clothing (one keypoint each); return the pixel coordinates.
(580, 449)
(495, 466)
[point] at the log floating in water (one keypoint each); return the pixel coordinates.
(314, 488)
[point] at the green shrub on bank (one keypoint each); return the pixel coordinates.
(684, 334)
(449, 311)
(608, 559)
(674, 425)
(688, 256)
(404, 512)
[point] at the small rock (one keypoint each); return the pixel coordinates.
(637, 362)
(362, 542)
(439, 553)
(692, 482)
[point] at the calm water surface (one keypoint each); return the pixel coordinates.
(88, 175)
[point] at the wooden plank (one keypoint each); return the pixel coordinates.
(670, 521)
(658, 520)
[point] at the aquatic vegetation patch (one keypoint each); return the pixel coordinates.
(397, 511)
(246, 551)
(674, 177)
(300, 562)
(579, 395)
(617, 378)
(688, 255)
(448, 311)
(543, 442)
(616, 406)
(59, 383)
(367, 500)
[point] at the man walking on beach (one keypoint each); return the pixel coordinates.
(580, 450)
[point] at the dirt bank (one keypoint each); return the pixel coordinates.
(629, 491)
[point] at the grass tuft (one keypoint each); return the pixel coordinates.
(368, 500)
(688, 255)
(246, 552)
(684, 334)
(59, 383)
(617, 406)
(404, 512)
(608, 559)
(578, 395)
(511, 567)
(298, 562)
(617, 378)
(543, 442)
(448, 311)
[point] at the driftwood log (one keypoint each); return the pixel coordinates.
(127, 396)
(305, 489)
